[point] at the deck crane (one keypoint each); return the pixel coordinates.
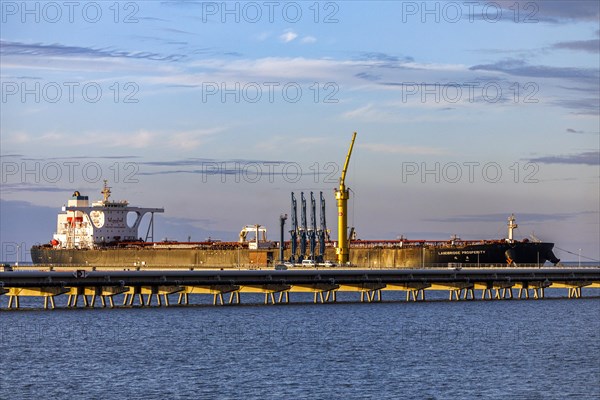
(303, 228)
(282, 219)
(342, 195)
(312, 230)
(322, 233)
(294, 230)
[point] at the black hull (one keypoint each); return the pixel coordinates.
(361, 254)
(518, 252)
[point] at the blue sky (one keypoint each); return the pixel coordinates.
(464, 113)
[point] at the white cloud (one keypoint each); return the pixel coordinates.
(367, 111)
(191, 139)
(261, 37)
(308, 39)
(288, 36)
(137, 139)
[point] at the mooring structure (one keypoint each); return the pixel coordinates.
(144, 287)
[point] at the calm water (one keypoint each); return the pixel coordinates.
(546, 349)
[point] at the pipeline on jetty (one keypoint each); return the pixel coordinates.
(276, 285)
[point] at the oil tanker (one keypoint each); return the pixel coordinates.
(106, 234)
(101, 235)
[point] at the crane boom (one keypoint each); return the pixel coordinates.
(343, 177)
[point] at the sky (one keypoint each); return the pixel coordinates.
(466, 112)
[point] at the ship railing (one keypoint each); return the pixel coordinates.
(129, 267)
(459, 266)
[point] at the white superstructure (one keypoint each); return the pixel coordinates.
(83, 226)
(511, 227)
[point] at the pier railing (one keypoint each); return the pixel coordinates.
(323, 283)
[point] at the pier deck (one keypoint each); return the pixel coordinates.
(276, 285)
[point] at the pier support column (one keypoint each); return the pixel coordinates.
(455, 294)
(538, 293)
(13, 300)
(331, 295)
(235, 295)
(184, 299)
(270, 296)
(486, 293)
(51, 298)
(157, 295)
(321, 297)
(47, 293)
(469, 294)
(285, 294)
(575, 293)
(523, 293)
(370, 295)
(220, 297)
(414, 294)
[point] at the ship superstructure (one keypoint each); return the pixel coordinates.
(81, 226)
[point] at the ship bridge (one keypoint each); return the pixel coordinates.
(105, 221)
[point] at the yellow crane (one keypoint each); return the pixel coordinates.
(342, 195)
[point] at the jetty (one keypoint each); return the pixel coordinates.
(85, 287)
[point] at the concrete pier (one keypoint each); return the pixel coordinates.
(153, 288)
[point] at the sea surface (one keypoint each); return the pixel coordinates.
(535, 349)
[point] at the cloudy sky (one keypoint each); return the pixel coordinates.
(466, 112)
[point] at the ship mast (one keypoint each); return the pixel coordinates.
(342, 194)
(511, 227)
(106, 191)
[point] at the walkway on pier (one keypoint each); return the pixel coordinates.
(147, 288)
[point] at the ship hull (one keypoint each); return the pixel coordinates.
(499, 253)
